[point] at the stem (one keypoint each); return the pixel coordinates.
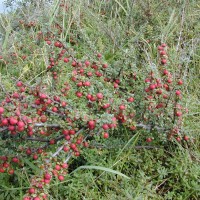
(47, 125)
(3, 129)
(36, 139)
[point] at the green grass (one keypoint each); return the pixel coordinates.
(162, 173)
(120, 30)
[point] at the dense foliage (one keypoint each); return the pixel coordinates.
(76, 73)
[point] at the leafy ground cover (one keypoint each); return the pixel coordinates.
(139, 146)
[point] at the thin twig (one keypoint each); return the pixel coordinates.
(149, 127)
(3, 129)
(47, 125)
(2, 86)
(100, 146)
(181, 30)
(36, 139)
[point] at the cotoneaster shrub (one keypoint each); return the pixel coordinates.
(77, 98)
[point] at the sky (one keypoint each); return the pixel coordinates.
(2, 8)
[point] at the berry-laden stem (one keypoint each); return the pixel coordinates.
(60, 148)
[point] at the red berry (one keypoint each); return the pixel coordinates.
(13, 121)
(89, 73)
(72, 132)
(160, 48)
(63, 104)
(87, 83)
(186, 138)
(133, 128)
(74, 63)
(86, 144)
(106, 106)
(165, 72)
(122, 107)
(77, 153)
(58, 44)
(31, 191)
(55, 109)
(64, 165)
(35, 156)
(20, 124)
(72, 146)
(131, 99)
(65, 132)
(89, 96)
(152, 86)
(28, 151)
(163, 45)
(116, 85)
(19, 84)
(47, 176)
(15, 160)
(178, 139)
(6, 165)
(80, 84)
(36, 198)
(61, 178)
(11, 128)
(106, 135)
(4, 122)
(43, 118)
(52, 141)
(105, 66)
(117, 81)
(180, 82)
(163, 61)
(87, 63)
(11, 171)
(159, 92)
(66, 149)
(99, 95)
(66, 60)
(91, 124)
(147, 80)
(149, 139)
(48, 42)
(2, 170)
(178, 92)
(1, 110)
(57, 167)
(39, 151)
(165, 96)
(105, 126)
(162, 53)
(43, 96)
(79, 94)
(178, 113)
(68, 137)
(99, 55)
(26, 198)
(169, 80)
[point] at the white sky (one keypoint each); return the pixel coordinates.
(1, 6)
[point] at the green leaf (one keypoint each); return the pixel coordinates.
(32, 166)
(103, 169)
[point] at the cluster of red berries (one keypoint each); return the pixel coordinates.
(37, 192)
(163, 54)
(90, 99)
(160, 88)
